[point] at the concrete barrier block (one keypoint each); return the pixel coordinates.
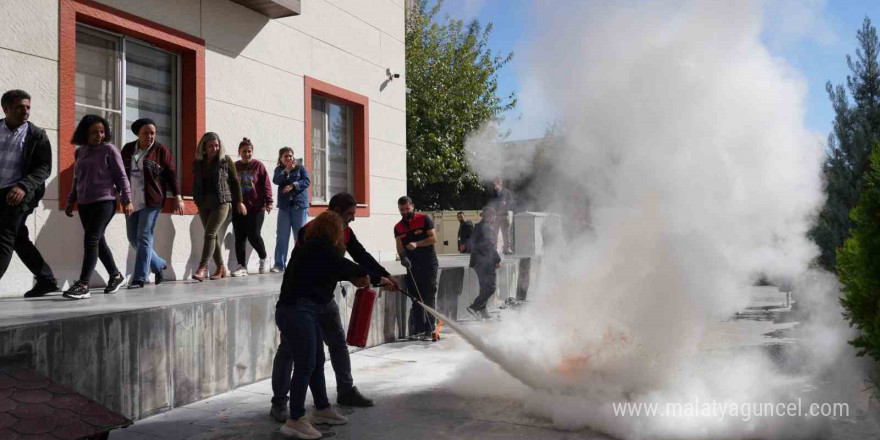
(120, 371)
(154, 361)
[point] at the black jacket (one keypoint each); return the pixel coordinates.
(36, 165)
(484, 247)
(314, 270)
(464, 234)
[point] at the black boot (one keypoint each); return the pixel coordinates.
(42, 287)
(353, 398)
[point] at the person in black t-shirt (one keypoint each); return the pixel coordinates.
(415, 245)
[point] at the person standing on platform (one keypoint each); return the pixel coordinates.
(98, 180)
(465, 229)
(256, 191)
(345, 205)
(151, 174)
(415, 238)
(293, 203)
(215, 187)
(485, 261)
(503, 204)
(25, 164)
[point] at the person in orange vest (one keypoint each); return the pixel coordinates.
(415, 238)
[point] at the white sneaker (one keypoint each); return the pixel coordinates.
(241, 271)
(300, 428)
(275, 270)
(263, 266)
(327, 416)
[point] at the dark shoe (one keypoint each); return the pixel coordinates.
(42, 287)
(353, 398)
(135, 284)
(79, 290)
(114, 284)
(279, 413)
(160, 275)
(484, 314)
(474, 312)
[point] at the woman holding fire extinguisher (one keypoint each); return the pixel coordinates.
(315, 267)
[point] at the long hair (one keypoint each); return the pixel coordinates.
(81, 134)
(281, 153)
(208, 137)
(330, 226)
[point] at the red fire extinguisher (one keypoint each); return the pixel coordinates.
(361, 315)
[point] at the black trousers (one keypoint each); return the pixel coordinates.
(10, 220)
(486, 275)
(95, 217)
(247, 229)
(334, 337)
(29, 253)
(426, 280)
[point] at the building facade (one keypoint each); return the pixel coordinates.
(316, 75)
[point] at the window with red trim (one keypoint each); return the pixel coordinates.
(336, 144)
(124, 67)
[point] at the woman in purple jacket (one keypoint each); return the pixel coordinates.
(98, 180)
(256, 192)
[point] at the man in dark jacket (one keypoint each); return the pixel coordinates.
(465, 229)
(25, 164)
(485, 261)
(331, 325)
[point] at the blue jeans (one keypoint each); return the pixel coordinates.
(288, 219)
(139, 228)
(300, 327)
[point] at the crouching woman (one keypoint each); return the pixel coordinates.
(315, 267)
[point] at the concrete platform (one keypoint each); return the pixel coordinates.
(146, 351)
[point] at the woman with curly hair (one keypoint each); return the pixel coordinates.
(98, 180)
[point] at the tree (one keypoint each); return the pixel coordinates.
(855, 131)
(452, 84)
(858, 265)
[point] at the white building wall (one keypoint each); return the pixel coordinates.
(254, 88)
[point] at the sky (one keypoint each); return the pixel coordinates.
(812, 36)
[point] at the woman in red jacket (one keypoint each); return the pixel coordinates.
(256, 193)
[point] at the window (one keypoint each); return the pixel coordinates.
(332, 152)
(124, 79)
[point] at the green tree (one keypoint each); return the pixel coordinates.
(858, 265)
(855, 131)
(452, 85)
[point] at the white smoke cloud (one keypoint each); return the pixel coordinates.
(688, 138)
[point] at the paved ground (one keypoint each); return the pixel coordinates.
(418, 391)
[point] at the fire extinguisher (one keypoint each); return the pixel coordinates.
(361, 315)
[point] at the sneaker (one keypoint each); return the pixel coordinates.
(300, 428)
(264, 266)
(114, 284)
(279, 413)
(276, 270)
(327, 416)
(79, 290)
(241, 271)
(135, 284)
(474, 312)
(42, 287)
(508, 252)
(484, 314)
(353, 398)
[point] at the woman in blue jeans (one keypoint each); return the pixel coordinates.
(150, 170)
(317, 264)
(293, 203)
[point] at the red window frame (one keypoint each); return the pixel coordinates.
(361, 138)
(191, 51)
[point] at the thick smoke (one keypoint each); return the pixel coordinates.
(685, 173)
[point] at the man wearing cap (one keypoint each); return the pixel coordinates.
(150, 169)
